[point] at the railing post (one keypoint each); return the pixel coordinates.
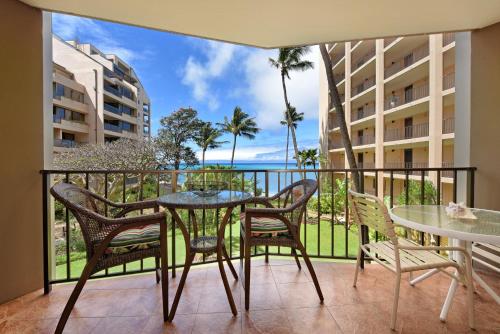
(47, 287)
(364, 228)
(470, 188)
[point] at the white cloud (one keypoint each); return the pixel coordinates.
(266, 93)
(241, 153)
(199, 74)
(75, 28)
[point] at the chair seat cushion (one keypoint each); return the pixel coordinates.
(266, 226)
(134, 239)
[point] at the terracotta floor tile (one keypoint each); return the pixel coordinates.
(261, 275)
(262, 296)
(182, 324)
(266, 321)
(220, 323)
(188, 304)
(298, 295)
(362, 318)
(27, 327)
(289, 274)
(121, 325)
(214, 299)
(81, 325)
(312, 321)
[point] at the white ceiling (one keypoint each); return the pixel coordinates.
(277, 23)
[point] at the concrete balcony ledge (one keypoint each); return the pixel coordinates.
(407, 69)
(64, 102)
(73, 126)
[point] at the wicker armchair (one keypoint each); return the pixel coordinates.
(401, 255)
(111, 241)
(277, 226)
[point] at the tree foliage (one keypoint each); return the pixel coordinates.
(240, 124)
(177, 131)
(208, 139)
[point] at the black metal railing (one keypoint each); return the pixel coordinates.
(363, 59)
(327, 232)
(406, 61)
(365, 85)
(402, 97)
(449, 125)
(363, 140)
(407, 132)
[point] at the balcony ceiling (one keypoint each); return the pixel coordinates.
(277, 23)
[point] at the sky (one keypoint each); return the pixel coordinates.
(211, 77)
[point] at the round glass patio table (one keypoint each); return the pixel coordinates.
(434, 220)
(190, 200)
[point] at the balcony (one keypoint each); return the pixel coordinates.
(449, 80)
(66, 143)
(408, 60)
(112, 90)
(333, 123)
(365, 85)
(112, 127)
(363, 59)
(111, 108)
(449, 125)
(400, 167)
(335, 144)
(448, 38)
(408, 132)
(388, 41)
(339, 77)
(365, 165)
(366, 111)
(402, 98)
(363, 140)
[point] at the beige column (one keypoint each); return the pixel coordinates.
(379, 113)
(347, 85)
(25, 143)
(477, 136)
(435, 154)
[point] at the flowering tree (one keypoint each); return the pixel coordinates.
(122, 154)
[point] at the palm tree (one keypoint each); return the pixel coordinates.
(207, 139)
(296, 118)
(241, 124)
(312, 156)
(290, 59)
(339, 111)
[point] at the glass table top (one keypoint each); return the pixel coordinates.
(433, 219)
(193, 200)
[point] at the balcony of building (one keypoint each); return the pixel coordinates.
(408, 96)
(361, 112)
(406, 62)
(363, 137)
(361, 86)
(406, 133)
(362, 55)
(448, 38)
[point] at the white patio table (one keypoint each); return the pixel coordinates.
(433, 219)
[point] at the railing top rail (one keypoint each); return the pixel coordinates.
(326, 170)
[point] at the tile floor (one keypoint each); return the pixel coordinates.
(283, 300)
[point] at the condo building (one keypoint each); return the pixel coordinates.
(97, 97)
(398, 96)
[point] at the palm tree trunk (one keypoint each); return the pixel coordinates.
(339, 111)
(286, 153)
(203, 159)
(289, 117)
(234, 148)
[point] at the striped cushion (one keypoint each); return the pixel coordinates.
(135, 238)
(262, 226)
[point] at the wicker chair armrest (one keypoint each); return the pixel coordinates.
(133, 206)
(154, 218)
(258, 212)
(261, 200)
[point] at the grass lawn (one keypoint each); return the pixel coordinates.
(323, 248)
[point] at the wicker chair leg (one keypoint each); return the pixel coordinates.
(247, 275)
(266, 256)
(157, 269)
(358, 264)
(187, 266)
(87, 271)
(226, 283)
(294, 253)
(395, 302)
(229, 263)
(311, 269)
(164, 269)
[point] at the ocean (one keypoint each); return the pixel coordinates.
(277, 181)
